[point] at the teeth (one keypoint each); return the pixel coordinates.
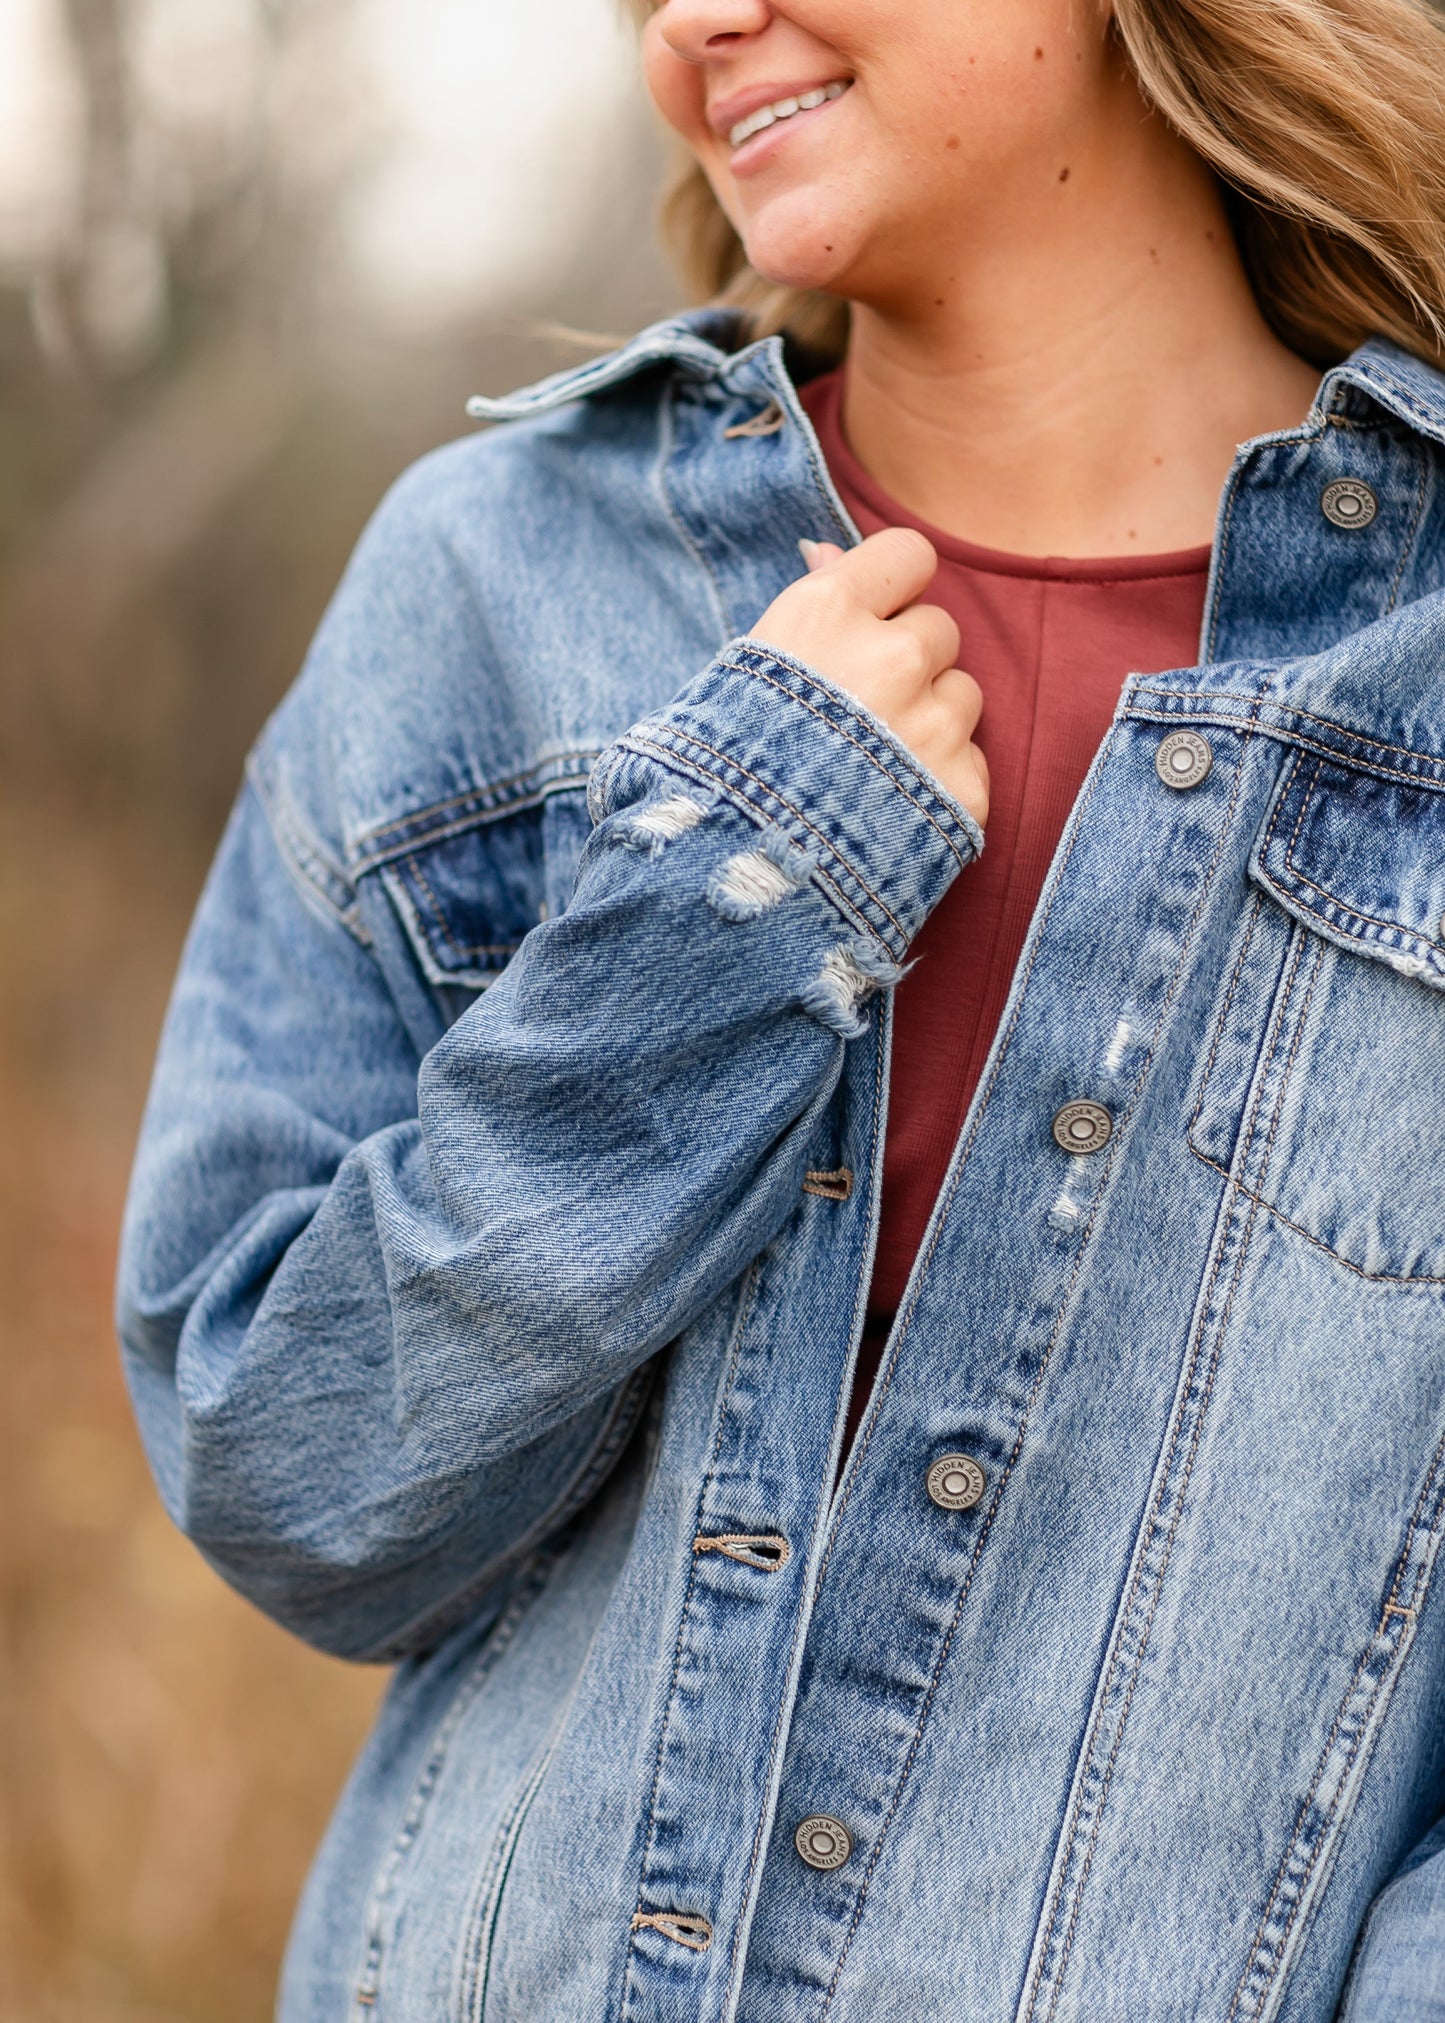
(783, 108)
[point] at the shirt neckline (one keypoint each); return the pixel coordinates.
(852, 477)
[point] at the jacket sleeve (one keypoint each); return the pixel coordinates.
(1399, 1970)
(380, 1314)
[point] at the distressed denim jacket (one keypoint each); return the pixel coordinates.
(499, 1242)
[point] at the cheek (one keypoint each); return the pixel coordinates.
(676, 88)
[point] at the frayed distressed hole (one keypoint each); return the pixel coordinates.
(768, 1551)
(1408, 965)
(749, 885)
(650, 828)
(1118, 1047)
(694, 1933)
(842, 987)
(1065, 1211)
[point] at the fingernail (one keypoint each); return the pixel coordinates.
(810, 551)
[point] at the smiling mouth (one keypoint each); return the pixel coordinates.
(784, 108)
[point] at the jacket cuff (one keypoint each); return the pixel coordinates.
(790, 749)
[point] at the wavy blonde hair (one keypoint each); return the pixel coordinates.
(1324, 119)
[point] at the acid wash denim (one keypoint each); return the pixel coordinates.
(500, 1236)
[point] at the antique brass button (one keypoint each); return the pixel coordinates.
(955, 1482)
(1349, 503)
(1083, 1127)
(823, 1842)
(1183, 760)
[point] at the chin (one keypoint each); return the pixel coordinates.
(800, 241)
(805, 253)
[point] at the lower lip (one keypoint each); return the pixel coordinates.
(756, 153)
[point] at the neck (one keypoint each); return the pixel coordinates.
(1082, 384)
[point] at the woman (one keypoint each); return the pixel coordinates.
(891, 1408)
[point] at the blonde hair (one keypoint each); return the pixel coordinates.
(1325, 120)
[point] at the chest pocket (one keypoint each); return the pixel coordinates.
(468, 896)
(1338, 1125)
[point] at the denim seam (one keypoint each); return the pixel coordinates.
(1372, 1277)
(367, 1985)
(1392, 1661)
(1106, 1686)
(1142, 1643)
(1257, 1943)
(808, 435)
(647, 747)
(1049, 1915)
(903, 1319)
(804, 1614)
(1427, 423)
(1140, 1568)
(1025, 1416)
(310, 869)
(473, 1967)
(1295, 716)
(888, 772)
(457, 947)
(377, 847)
(666, 449)
(1395, 927)
(1226, 1007)
(1142, 1640)
(745, 1309)
(1408, 545)
(617, 1429)
(1221, 558)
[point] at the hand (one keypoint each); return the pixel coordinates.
(854, 618)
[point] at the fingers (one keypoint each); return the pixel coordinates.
(934, 633)
(887, 571)
(963, 696)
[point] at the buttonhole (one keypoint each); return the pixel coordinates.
(767, 422)
(836, 1185)
(685, 1930)
(769, 1551)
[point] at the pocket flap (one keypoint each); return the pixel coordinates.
(1361, 860)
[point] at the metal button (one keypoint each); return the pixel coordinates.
(823, 1842)
(1183, 760)
(955, 1482)
(1083, 1127)
(1350, 503)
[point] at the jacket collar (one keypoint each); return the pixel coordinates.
(704, 344)
(1405, 386)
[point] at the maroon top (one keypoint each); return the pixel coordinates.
(1049, 642)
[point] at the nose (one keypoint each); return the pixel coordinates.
(697, 30)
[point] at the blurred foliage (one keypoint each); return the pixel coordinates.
(175, 509)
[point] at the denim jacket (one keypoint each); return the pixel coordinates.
(499, 1241)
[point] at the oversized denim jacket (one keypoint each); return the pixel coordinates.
(500, 1236)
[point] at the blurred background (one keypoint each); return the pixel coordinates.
(254, 254)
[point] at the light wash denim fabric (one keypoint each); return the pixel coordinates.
(500, 1236)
